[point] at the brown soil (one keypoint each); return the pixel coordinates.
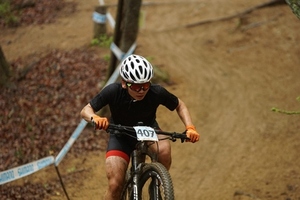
(230, 74)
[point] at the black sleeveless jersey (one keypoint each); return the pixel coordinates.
(128, 112)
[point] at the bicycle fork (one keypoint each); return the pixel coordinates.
(136, 170)
(154, 190)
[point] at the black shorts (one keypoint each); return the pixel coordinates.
(122, 145)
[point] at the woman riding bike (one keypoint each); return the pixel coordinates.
(133, 100)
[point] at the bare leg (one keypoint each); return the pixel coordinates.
(115, 171)
(164, 156)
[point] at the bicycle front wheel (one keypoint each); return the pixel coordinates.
(155, 183)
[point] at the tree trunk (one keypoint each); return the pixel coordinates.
(126, 29)
(99, 17)
(4, 69)
(131, 24)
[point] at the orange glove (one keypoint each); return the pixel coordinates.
(100, 122)
(192, 134)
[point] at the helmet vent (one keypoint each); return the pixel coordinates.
(126, 67)
(132, 77)
(145, 63)
(132, 65)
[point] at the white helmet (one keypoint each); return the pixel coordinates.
(136, 69)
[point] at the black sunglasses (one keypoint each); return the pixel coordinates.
(138, 87)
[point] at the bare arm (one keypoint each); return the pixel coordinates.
(184, 114)
(185, 117)
(87, 112)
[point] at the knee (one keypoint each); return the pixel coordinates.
(164, 156)
(115, 173)
(115, 186)
(164, 152)
(115, 180)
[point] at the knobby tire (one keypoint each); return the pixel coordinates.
(155, 173)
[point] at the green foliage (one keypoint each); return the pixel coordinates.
(4, 8)
(106, 58)
(6, 13)
(295, 6)
(102, 41)
(285, 111)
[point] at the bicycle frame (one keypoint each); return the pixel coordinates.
(141, 171)
(138, 159)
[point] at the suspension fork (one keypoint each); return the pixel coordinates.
(137, 159)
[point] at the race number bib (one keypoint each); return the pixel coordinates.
(145, 133)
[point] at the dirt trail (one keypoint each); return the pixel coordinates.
(230, 79)
(230, 74)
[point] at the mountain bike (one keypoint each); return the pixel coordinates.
(146, 178)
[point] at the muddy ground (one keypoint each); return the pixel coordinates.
(230, 73)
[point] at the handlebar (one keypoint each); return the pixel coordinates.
(173, 136)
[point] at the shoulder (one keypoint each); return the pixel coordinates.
(114, 92)
(164, 97)
(158, 89)
(161, 92)
(110, 91)
(112, 88)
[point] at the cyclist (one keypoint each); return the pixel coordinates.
(135, 99)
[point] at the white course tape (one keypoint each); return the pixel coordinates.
(111, 20)
(108, 16)
(116, 73)
(83, 123)
(70, 142)
(25, 170)
(99, 18)
(120, 54)
(30, 168)
(115, 49)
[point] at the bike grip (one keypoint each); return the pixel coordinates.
(115, 127)
(183, 139)
(94, 124)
